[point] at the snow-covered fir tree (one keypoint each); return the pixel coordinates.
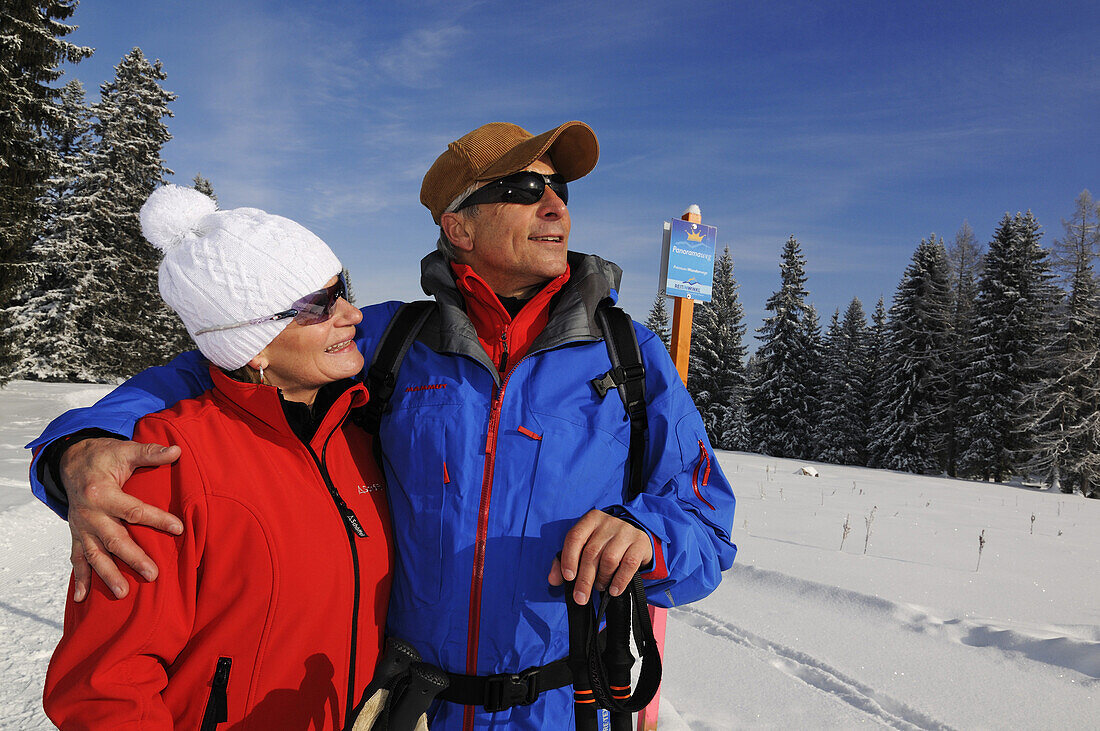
(841, 432)
(658, 319)
(779, 424)
(831, 394)
(912, 404)
(1014, 295)
(877, 371)
(1064, 407)
(964, 257)
(60, 294)
(716, 375)
(31, 50)
(204, 186)
(813, 379)
(132, 328)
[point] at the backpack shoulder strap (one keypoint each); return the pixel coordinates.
(627, 375)
(381, 375)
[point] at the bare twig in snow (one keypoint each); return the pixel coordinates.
(869, 520)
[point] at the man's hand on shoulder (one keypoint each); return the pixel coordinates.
(601, 551)
(93, 472)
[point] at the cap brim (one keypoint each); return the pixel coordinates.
(572, 148)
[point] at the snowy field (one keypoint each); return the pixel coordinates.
(901, 629)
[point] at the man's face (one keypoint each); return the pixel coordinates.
(517, 248)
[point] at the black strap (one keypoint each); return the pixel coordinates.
(381, 376)
(505, 690)
(627, 374)
(410, 695)
(631, 603)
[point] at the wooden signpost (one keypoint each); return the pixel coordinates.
(679, 348)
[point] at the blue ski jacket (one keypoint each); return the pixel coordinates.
(486, 474)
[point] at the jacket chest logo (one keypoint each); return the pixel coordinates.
(375, 487)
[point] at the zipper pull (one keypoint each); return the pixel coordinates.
(217, 707)
(504, 355)
(352, 520)
(706, 458)
(349, 515)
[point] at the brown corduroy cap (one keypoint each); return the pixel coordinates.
(497, 149)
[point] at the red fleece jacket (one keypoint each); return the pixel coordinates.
(266, 574)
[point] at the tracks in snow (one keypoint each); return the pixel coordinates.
(876, 705)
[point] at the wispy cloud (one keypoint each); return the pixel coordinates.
(416, 59)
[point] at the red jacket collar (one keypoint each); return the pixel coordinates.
(263, 403)
(498, 332)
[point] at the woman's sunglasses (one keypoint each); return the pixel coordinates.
(314, 308)
(525, 187)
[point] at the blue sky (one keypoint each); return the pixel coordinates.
(858, 127)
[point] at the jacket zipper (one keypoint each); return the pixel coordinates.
(217, 707)
(474, 619)
(704, 458)
(353, 528)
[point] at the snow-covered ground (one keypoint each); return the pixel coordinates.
(909, 633)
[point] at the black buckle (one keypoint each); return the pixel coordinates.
(618, 376)
(507, 690)
(604, 383)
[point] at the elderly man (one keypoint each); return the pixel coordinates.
(506, 469)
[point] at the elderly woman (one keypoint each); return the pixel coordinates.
(269, 609)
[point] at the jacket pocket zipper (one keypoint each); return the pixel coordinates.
(704, 460)
(217, 707)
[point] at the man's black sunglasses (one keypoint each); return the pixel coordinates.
(525, 187)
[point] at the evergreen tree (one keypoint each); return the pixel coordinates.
(964, 258)
(842, 430)
(912, 404)
(716, 376)
(31, 49)
(658, 319)
(203, 185)
(813, 380)
(877, 372)
(132, 328)
(1065, 404)
(1014, 295)
(777, 417)
(60, 289)
(347, 283)
(831, 395)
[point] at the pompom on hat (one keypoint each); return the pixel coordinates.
(223, 267)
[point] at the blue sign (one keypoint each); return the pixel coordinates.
(688, 265)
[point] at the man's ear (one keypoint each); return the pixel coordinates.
(459, 231)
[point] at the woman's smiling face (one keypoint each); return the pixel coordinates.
(305, 357)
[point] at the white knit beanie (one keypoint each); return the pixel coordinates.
(223, 267)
